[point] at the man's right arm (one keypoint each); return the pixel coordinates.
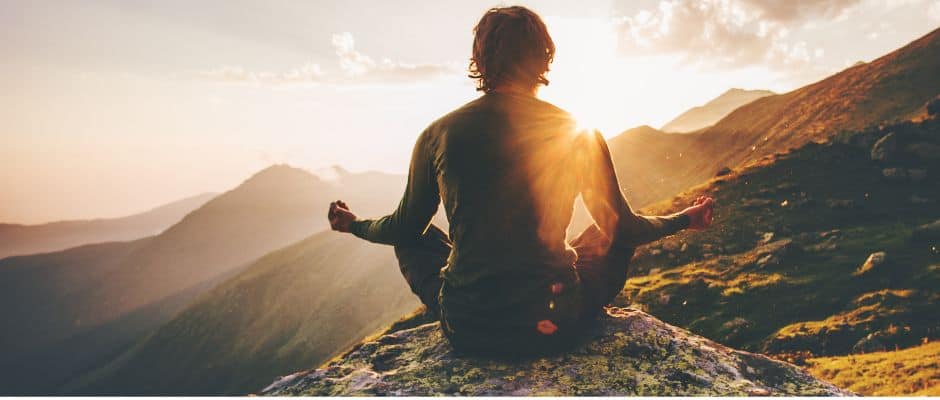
(606, 203)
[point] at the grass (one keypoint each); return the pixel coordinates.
(914, 371)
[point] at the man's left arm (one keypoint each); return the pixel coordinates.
(416, 208)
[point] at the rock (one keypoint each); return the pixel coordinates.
(874, 260)
(917, 175)
(685, 246)
(723, 171)
(768, 260)
(840, 204)
(885, 148)
(933, 106)
(927, 232)
(829, 233)
(655, 252)
(924, 150)
(767, 237)
(869, 344)
(671, 245)
(628, 352)
(894, 174)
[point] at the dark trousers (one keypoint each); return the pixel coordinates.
(601, 268)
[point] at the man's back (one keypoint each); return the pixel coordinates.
(506, 171)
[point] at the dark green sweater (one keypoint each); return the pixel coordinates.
(508, 168)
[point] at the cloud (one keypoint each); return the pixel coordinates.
(310, 73)
(934, 11)
(730, 33)
(354, 68)
(358, 67)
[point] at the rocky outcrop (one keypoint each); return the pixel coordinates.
(628, 352)
(927, 232)
(885, 148)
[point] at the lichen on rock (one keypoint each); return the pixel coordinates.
(628, 352)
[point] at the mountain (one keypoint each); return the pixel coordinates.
(69, 311)
(16, 239)
(891, 88)
(708, 114)
(627, 353)
(829, 250)
(294, 307)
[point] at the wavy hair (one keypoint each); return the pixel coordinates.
(510, 44)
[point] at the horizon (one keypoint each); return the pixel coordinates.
(104, 99)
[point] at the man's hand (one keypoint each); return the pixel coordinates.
(700, 214)
(340, 216)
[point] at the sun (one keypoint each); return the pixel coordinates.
(586, 72)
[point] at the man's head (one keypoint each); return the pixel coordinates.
(511, 46)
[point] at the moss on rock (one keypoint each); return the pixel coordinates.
(628, 353)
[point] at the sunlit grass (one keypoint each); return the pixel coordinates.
(914, 371)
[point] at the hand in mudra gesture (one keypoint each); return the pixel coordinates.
(340, 217)
(700, 214)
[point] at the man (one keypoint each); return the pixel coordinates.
(508, 168)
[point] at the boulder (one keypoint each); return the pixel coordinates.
(927, 232)
(874, 259)
(766, 237)
(628, 352)
(671, 245)
(885, 149)
(894, 174)
(723, 171)
(933, 107)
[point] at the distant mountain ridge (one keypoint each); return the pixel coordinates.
(893, 87)
(294, 307)
(19, 239)
(50, 299)
(708, 114)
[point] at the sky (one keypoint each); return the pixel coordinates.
(108, 108)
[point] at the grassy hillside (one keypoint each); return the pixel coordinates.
(293, 308)
(893, 87)
(784, 269)
(708, 114)
(909, 372)
(18, 239)
(70, 297)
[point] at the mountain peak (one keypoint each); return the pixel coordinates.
(628, 352)
(279, 170)
(279, 175)
(708, 114)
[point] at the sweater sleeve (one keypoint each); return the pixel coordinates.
(606, 203)
(416, 208)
